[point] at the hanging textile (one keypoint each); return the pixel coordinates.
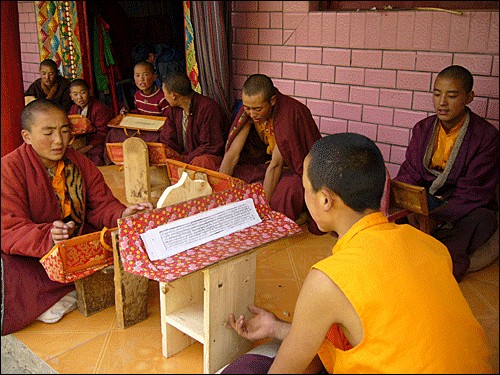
(211, 22)
(59, 36)
(106, 72)
(191, 65)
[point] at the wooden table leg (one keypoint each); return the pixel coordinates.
(136, 170)
(181, 306)
(229, 288)
(95, 292)
(197, 307)
(131, 292)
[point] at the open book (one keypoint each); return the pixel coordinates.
(169, 239)
(138, 122)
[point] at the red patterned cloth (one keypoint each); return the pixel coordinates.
(78, 257)
(158, 153)
(135, 259)
(218, 181)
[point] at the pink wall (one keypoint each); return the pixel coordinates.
(30, 54)
(367, 72)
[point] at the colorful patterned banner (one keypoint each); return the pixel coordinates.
(191, 65)
(59, 37)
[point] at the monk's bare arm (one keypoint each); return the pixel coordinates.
(232, 155)
(319, 305)
(273, 173)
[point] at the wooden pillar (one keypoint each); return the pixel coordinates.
(11, 78)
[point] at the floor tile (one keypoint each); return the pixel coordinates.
(94, 344)
(488, 274)
(145, 347)
(277, 265)
(490, 326)
(83, 359)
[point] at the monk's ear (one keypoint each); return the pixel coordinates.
(273, 100)
(470, 97)
(326, 199)
(26, 136)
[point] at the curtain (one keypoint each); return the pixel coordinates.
(59, 35)
(191, 65)
(106, 71)
(211, 22)
(11, 79)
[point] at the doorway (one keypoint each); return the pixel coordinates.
(131, 23)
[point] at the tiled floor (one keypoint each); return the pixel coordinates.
(94, 344)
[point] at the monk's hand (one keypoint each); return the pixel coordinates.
(61, 231)
(262, 325)
(135, 208)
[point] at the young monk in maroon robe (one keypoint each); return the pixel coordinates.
(196, 126)
(268, 141)
(454, 155)
(50, 192)
(99, 115)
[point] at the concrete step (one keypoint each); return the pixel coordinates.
(17, 358)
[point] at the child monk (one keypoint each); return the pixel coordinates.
(99, 115)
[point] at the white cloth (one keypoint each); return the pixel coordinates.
(60, 308)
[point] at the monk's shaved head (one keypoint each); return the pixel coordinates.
(259, 84)
(28, 116)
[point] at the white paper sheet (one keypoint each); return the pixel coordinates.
(143, 123)
(169, 239)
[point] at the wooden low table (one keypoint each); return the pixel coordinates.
(194, 307)
(197, 307)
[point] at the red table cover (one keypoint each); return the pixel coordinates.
(274, 226)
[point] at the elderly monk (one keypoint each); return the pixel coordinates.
(51, 85)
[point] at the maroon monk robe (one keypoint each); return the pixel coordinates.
(61, 96)
(99, 115)
(29, 207)
(470, 185)
(295, 132)
(205, 135)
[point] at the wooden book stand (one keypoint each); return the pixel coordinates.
(405, 199)
(136, 160)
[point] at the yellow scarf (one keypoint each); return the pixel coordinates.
(67, 183)
(266, 134)
(444, 145)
